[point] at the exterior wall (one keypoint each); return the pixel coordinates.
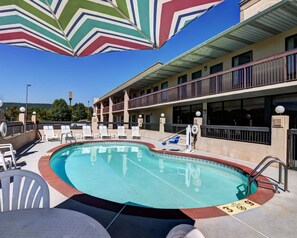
(250, 151)
(20, 140)
(252, 7)
(155, 114)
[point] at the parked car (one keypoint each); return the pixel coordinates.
(80, 123)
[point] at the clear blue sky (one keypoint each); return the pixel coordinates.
(52, 75)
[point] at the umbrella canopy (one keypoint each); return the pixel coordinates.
(86, 27)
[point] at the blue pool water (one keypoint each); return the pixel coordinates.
(130, 173)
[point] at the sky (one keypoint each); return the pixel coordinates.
(51, 75)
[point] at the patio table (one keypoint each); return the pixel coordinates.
(49, 222)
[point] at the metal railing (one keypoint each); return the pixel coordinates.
(151, 126)
(106, 109)
(14, 127)
(292, 148)
(175, 128)
(263, 165)
(259, 135)
(30, 125)
(279, 68)
(118, 107)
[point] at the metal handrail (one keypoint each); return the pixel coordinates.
(68, 136)
(255, 174)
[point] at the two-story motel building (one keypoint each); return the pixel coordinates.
(236, 78)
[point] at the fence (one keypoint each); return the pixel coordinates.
(292, 148)
(259, 135)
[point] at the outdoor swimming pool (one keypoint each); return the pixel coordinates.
(130, 173)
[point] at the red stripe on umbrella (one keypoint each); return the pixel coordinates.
(167, 14)
(103, 40)
(31, 39)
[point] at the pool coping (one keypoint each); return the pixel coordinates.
(260, 197)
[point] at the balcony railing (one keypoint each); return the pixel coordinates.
(259, 135)
(105, 109)
(118, 107)
(276, 69)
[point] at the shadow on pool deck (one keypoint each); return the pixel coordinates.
(122, 221)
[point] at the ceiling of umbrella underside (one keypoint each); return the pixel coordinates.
(86, 27)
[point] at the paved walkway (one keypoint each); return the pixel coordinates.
(277, 218)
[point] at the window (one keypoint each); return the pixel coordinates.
(141, 92)
(215, 83)
(182, 90)
(148, 91)
(291, 43)
(197, 75)
(156, 88)
(185, 114)
(196, 87)
(238, 75)
(164, 94)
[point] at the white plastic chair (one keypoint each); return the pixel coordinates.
(121, 132)
(135, 132)
(8, 153)
(185, 231)
(103, 132)
(27, 190)
(49, 133)
(87, 133)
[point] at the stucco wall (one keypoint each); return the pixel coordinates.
(19, 140)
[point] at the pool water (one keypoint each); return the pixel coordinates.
(129, 173)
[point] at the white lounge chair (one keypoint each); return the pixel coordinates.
(49, 133)
(8, 153)
(121, 132)
(87, 132)
(135, 132)
(103, 132)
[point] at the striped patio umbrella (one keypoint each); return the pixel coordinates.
(86, 27)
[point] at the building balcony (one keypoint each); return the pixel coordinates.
(118, 107)
(106, 110)
(272, 70)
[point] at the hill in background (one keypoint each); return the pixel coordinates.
(35, 105)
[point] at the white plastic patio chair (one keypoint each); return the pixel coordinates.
(8, 153)
(185, 231)
(121, 132)
(22, 189)
(103, 132)
(49, 133)
(87, 133)
(135, 132)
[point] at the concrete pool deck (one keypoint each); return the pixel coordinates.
(276, 218)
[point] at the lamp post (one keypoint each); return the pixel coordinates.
(26, 110)
(88, 109)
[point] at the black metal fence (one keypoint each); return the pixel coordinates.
(14, 127)
(292, 149)
(258, 135)
(175, 128)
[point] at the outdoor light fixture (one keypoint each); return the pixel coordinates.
(94, 114)
(22, 109)
(205, 68)
(1, 103)
(162, 114)
(34, 113)
(198, 114)
(140, 116)
(280, 109)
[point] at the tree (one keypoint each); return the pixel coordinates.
(89, 111)
(79, 112)
(60, 110)
(12, 113)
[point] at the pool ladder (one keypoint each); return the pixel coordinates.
(69, 136)
(265, 163)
